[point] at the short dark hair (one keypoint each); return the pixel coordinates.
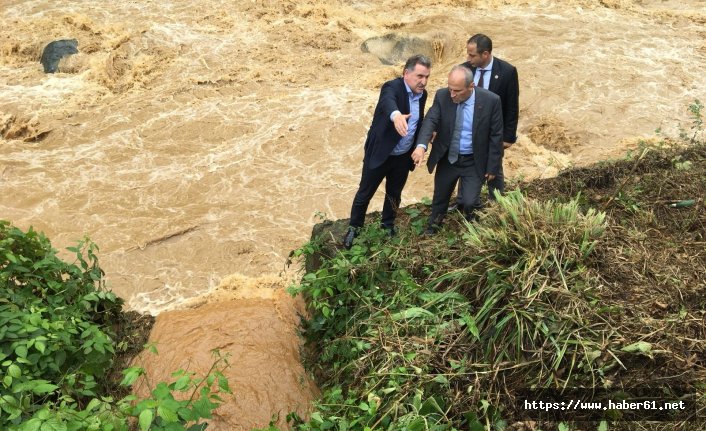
(415, 60)
(483, 43)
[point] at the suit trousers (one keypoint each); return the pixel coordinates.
(445, 179)
(498, 183)
(394, 171)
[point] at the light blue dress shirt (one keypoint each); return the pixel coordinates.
(466, 142)
(405, 143)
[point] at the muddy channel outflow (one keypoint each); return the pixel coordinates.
(197, 139)
(253, 321)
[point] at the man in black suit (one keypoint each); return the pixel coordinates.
(390, 143)
(468, 145)
(499, 77)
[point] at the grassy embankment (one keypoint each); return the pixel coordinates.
(595, 279)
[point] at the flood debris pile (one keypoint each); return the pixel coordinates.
(590, 285)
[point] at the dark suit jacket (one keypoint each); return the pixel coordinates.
(487, 130)
(504, 83)
(382, 136)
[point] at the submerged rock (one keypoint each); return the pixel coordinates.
(55, 51)
(394, 48)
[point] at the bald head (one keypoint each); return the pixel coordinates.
(462, 72)
(460, 83)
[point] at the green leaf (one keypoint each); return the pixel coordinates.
(40, 346)
(316, 416)
(603, 426)
(431, 405)
(53, 424)
(93, 404)
(167, 414)
(563, 426)
(9, 400)
(31, 425)
(640, 346)
(162, 391)
(44, 388)
(223, 384)
(145, 419)
(182, 382)
(14, 371)
(412, 313)
(416, 425)
(60, 358)
(203, 407)
(441, 379)
(130, 375)
(21, 351)
(186, 414)
(475, 425)
(471, 325)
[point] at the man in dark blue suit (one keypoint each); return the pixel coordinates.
(499, 77)
(390, 143)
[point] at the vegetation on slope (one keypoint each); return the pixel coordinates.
(592, 280)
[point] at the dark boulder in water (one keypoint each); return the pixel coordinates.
(55, 51)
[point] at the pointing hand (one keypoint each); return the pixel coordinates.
(401, 123)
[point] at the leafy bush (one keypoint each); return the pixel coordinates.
(165, 412)
(380, 333)
(52, 324)
(57, 343)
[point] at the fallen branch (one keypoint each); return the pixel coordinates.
(163, 238)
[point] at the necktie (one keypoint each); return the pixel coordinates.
(455, 146)
(480, 80)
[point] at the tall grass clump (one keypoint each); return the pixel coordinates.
(532, 294)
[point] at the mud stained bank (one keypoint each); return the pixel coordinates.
(196, 139)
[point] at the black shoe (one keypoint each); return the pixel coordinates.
(349, 237)
(471, 217)
(391, 231)
(454, 207)
(430, 231)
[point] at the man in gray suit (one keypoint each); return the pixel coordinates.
(500, 77)
(468, 146)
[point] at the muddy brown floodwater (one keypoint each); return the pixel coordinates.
(196, 141)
